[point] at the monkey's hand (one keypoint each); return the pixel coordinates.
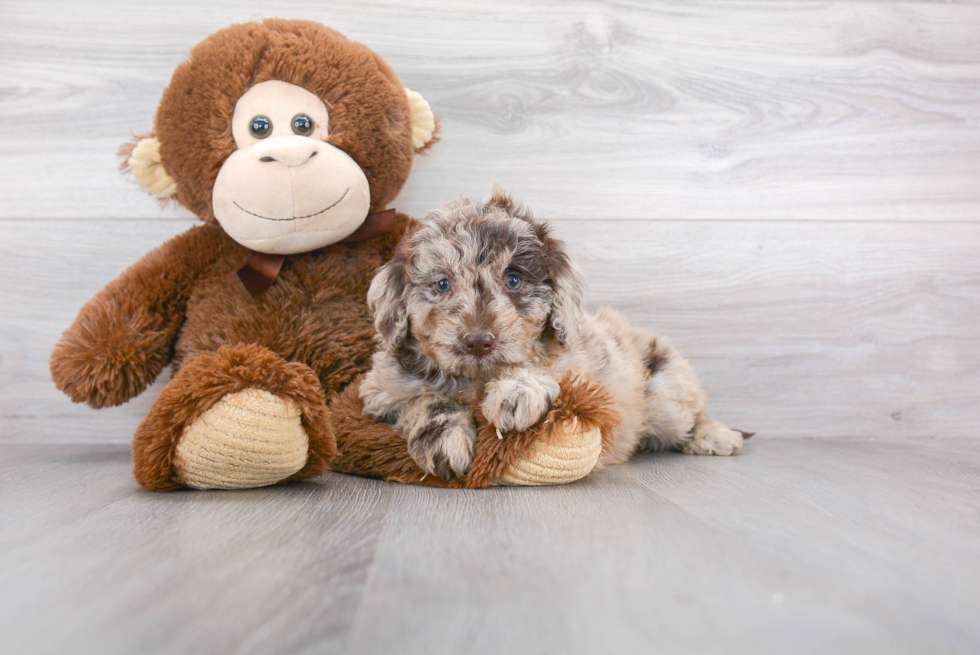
(106, 357)
(123, 337)
(519, 400)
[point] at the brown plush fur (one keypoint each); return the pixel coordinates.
(185, 299)
(123, 337)
(376, 450)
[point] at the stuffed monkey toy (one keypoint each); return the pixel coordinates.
(288, 141)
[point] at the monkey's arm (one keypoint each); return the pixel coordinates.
(440, 432)
(123, 337)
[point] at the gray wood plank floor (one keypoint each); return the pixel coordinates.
(794, 546)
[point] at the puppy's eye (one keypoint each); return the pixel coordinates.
(442, 286)
(260, 127)
(302, 124)
(513, 281)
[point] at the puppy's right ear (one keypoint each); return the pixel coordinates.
(386, 298)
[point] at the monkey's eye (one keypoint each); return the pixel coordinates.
(442, 286)
(302, 124)
(513, 281)
(260, 127)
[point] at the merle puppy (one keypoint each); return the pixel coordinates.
(480, 302)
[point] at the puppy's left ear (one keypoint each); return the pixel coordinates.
(569, 286)
(386, 298)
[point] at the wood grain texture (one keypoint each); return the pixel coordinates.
(588, 108)
(803, 546)
(798, 329)
(92, 563)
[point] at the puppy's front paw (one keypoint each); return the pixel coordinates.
(444, 447)
(515, 404)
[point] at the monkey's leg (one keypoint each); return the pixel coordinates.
(238, 418)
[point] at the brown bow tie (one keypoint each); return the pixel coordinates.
(261, 269)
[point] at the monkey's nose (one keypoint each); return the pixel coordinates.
(288, 150)
(479, 345)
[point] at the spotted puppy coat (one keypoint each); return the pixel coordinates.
(481, 303)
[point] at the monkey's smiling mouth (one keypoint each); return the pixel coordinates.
(294, 218)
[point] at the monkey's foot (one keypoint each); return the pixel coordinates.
(248, 439)
(567, 454)
(237, 418)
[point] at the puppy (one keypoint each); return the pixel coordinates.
(480, 302)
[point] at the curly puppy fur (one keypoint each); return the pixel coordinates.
(481, 303)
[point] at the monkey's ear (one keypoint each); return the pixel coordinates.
(425, 127)
(142, 160)
(386, 298)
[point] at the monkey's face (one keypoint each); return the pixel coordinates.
(286, 189)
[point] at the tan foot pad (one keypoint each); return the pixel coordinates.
(248, 439)
(564, 458)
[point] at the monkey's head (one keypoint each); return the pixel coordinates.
(285, 132)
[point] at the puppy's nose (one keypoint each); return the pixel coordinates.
(479, 345)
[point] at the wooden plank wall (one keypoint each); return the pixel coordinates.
(789, 189)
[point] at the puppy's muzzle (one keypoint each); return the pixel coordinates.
(479, 345)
